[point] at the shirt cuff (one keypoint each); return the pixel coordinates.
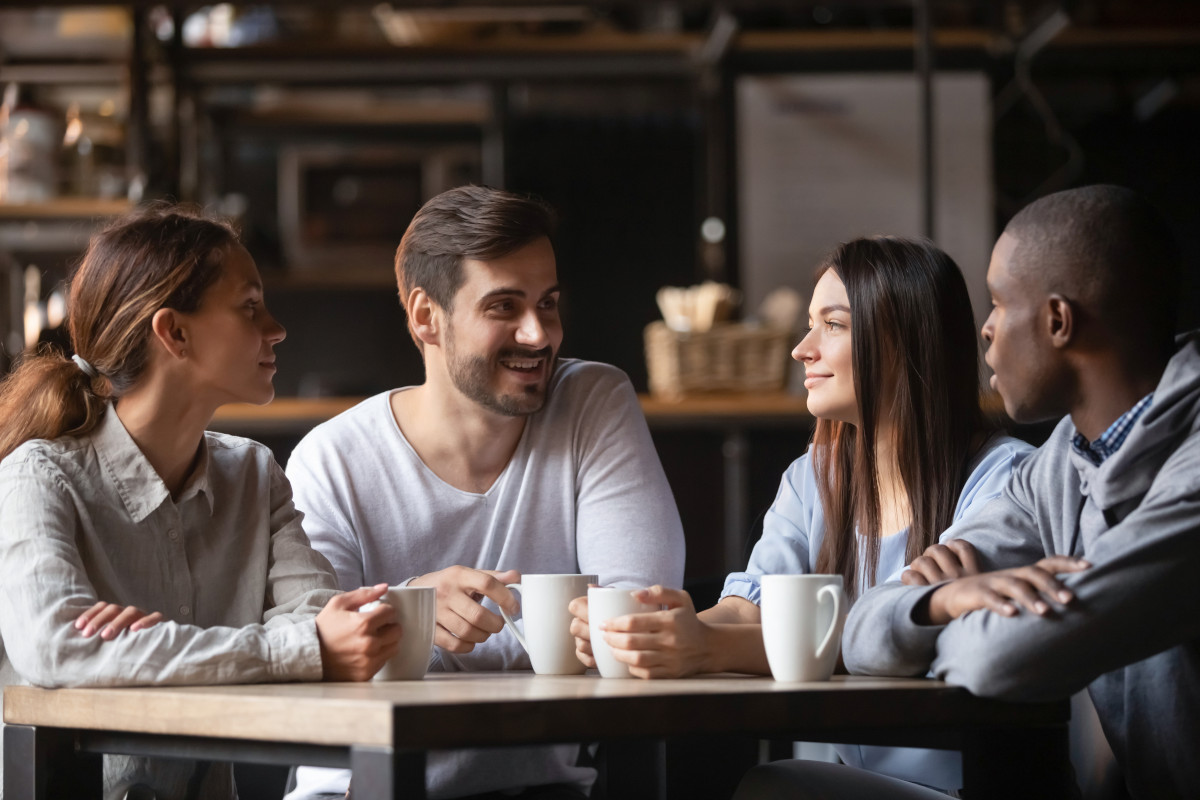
(295, 652)
(907, 634)
(748, 589)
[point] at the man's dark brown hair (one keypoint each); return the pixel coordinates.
(476, 222)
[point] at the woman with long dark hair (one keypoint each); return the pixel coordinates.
(117, 508)
(901, 451)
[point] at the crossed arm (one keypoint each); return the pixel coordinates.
(956, 565)
(1013, 633)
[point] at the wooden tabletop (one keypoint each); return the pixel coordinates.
(472, 709)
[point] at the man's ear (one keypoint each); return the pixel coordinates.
(424, 317)
(170, 331)
(1060, 320)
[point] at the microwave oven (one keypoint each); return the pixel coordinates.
(343, 208)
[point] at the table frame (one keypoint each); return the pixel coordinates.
(1009, 750)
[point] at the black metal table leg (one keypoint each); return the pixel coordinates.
(44, 764)
(634, 769)
(1030, 763)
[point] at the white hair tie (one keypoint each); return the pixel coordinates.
(83, 365)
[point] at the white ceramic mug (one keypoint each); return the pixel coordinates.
(547, 635)
(802, 618)
(605, 603)
(416, 613)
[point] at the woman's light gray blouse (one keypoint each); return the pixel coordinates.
(87, 518)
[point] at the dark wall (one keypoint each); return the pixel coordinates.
(624, 188)
(1157, 158)
(342, 341)
(1121, 139)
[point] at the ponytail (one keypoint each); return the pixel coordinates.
(162, 256)
(47, 396)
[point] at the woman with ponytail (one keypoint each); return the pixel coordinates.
(901, 451)
(118, 509)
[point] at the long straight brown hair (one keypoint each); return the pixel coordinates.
(162, 256)
(913, 340)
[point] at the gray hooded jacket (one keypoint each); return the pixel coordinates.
(1132, 635)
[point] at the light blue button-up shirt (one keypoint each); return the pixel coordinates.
(793, 530)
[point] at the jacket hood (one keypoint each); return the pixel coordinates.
(1173, 414)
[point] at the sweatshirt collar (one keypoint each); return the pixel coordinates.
(1111, 440)
(1172, 415)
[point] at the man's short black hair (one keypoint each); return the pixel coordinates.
(1107, 249)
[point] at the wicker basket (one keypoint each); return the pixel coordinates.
(730, 357)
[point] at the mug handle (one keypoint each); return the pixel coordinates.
(835, 592)
(512, 626)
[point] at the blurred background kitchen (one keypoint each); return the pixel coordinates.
(682, 142)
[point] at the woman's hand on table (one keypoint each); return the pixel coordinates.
(580, 630)
(356, 644)
(111, 618)
(672, 643)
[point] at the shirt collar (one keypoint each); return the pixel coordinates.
(198, 483)
(1111, 440)
(140, 488)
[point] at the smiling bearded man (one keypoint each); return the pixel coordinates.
(505, 461)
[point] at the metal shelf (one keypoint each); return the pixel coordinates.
(60, 226)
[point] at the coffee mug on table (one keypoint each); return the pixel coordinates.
(605, 603)
(802, 618)
(416, 614)
(547, 621)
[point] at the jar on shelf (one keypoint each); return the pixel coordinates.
(29, 145)
(93, 156)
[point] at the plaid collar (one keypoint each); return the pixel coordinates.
(1111, 440)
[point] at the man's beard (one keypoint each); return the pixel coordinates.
(472, 376)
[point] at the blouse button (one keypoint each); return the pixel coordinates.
(173, 534)
(185, 610)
